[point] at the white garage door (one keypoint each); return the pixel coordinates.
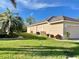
(74, 31)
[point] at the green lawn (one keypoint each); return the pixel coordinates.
(37, 49)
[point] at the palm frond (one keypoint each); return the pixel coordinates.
(13, 2)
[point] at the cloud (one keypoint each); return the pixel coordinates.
(38, 4)
(6, 4)
(74, 7)
(71, 6)
(33, 4)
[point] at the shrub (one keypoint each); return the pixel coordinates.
(13, 35)
(47, 35)
(52, 36)
(58, 36)
(38, 33)
(8, 36)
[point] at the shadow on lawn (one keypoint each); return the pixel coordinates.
(26, 38)
(43, 50)
(38, 51)
(76, 49)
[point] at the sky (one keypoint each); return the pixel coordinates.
(41, 9)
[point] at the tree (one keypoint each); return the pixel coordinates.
(12, 23)
(30, 20)
(17, 24)
(13, 2)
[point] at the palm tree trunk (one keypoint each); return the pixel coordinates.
(8, 27)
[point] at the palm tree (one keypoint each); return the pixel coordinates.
(13, 2)
(7, 23)
(30, 20)
(17, 24)
(12, 24)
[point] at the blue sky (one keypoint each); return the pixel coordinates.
(40, 9)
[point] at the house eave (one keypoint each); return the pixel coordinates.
(57, 22)
(71, 21)
(39, 23)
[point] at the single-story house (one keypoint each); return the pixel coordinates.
(62, 25)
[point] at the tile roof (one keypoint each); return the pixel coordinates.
(57, 18)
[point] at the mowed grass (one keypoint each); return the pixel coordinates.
(37, 49)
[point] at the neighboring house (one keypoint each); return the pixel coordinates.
(62, 25)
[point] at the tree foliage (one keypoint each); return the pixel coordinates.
(30, 20)
(12, 23)
(13, 2)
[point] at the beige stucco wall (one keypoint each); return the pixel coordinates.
(38, 28)
(31, 28)
(28, 29)
(48, 28)
(56, 29)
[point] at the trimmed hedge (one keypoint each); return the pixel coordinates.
(31, 36)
